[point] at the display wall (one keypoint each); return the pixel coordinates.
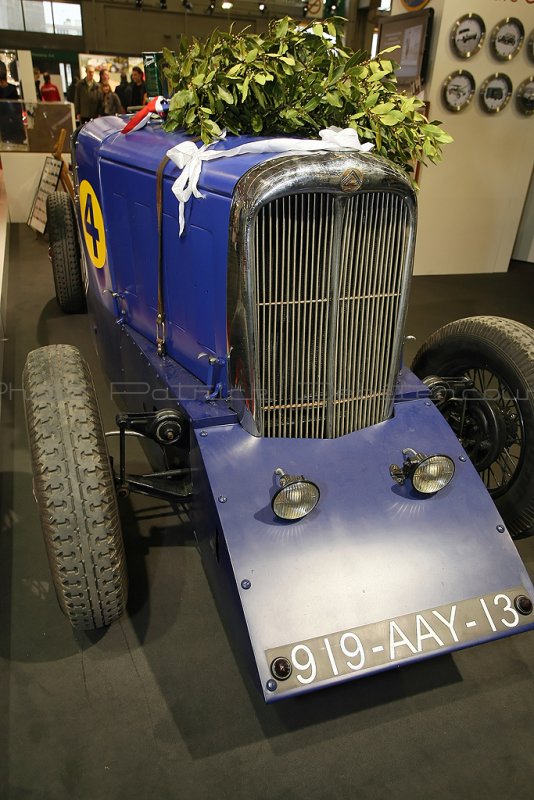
(471, 205)
(524, 243)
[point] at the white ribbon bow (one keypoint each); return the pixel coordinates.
(188, 157)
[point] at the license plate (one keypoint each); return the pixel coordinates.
(380, 644)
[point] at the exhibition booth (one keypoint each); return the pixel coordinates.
(473, 69)
(475, 210)
(286, 503)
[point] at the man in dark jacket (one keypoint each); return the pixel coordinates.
(136, 90)
(88, 101)
(71, 89)
(122, 90)
(11, 126)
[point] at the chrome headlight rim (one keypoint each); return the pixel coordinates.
(447, 463)
(289, 508)
(414, 466)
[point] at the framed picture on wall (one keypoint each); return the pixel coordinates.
(414, 5)
(467, 35)
(507, 38)
(495, 92)
(524, 96)
(458, 90)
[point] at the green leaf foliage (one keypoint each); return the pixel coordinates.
(296, 80)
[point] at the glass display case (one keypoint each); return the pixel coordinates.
(34, 127)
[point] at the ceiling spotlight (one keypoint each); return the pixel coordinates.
(139, 3)
(304, 9)
(227, 5)
(211, 8)
(187, 4)
(261, 8)
(163, 5)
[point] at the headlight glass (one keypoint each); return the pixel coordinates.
(295, 499)
(433, 474)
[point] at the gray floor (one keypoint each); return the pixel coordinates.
(158, 706)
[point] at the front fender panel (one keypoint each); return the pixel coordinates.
(371, 551)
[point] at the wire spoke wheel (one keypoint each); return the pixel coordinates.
(508, 453)
(494, 418)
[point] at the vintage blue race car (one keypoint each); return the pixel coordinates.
(356, 513)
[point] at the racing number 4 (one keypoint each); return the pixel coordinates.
(90, 227)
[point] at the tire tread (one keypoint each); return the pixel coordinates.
(73, 485)
(65, 253)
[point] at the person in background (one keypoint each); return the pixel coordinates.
(71, 90)
(37, 79)
(110, 101)
(122, 89)
(49, 90)
(13, 70)
(88, 98)
(103, 76)
(136, 90)
(11, 125)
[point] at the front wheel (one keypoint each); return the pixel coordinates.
(494, 418)
(74, 487)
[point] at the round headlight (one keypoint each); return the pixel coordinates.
(433, 474)
(296, 499)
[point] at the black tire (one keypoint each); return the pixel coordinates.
(65, 253)
(498, 355)
(74, 487)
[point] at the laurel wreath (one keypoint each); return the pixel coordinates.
(296, 80)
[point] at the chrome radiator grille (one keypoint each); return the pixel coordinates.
(328, 272)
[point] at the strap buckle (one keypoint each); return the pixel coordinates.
(160, 335)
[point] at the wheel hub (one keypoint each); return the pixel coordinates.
(481, 428)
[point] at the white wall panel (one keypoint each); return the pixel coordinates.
(470, 205)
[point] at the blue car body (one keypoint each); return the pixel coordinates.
(376, 575)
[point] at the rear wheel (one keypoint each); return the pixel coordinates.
(74, 487)
(65, 253)
(495, 424)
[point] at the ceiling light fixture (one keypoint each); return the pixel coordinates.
(262, 8)
(187, 4)
(211, 8)
(227, 5)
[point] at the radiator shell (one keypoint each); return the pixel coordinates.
(320, 263)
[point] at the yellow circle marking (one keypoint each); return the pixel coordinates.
(93, 225)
